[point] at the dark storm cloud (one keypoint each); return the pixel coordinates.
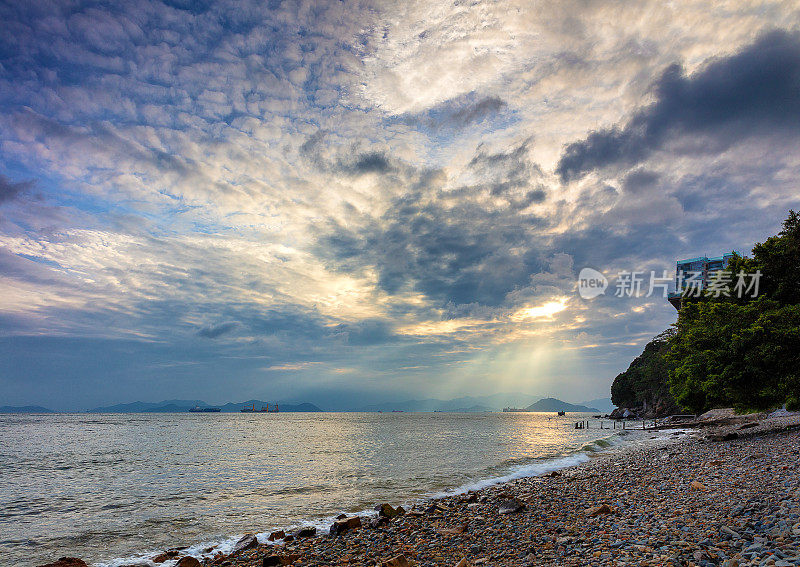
(349, 160)
(472, 244)
(216, 331)
(10, 190)
(754, 92)
(459, 255)
(369, 162)
(639, 180)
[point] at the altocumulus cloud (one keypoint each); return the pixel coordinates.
(228, 189)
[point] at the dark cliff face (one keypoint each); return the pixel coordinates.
(645, 384)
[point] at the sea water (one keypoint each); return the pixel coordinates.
(111, 488)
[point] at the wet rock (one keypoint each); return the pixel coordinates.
(698, 486)
(247, 541)
(397, 561)
(453, 531)
(462, 563)
(387, 511)
(341, 526)
(379, 521)
(280, 534)
(308, 531)
(272, 560)
(166, 556)
(188, 561)
(511, 506)
(67, 562)
(597, 510)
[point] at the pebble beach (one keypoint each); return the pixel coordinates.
(684, 501)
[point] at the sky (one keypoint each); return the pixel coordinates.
(352, 202)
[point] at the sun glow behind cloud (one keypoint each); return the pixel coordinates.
(401, 190)
(544, 311)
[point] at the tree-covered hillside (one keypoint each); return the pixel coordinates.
(735, 345)
(744, 351)
(645, 383)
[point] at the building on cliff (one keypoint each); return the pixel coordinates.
(693, 275)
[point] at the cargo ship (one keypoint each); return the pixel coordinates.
(198, 409)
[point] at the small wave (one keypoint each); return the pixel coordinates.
(519, 468)
(541, 466)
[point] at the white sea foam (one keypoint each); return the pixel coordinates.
(538, 467)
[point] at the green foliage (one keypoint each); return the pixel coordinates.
(645, 382)
(744, 352)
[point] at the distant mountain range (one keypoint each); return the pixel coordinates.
(181, 406)
(552, 404)
(24, 409)
(494, 402)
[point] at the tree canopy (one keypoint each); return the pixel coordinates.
(743, 351)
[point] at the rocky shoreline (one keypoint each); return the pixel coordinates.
(688, 501)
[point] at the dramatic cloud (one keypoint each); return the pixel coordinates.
(459, 245)
(338, 202)
(753, 93)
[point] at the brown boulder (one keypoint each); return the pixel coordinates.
(308, 531)
(67, 562)
(511, 506)
(379, 521)
(166, 556)
(597, 510)
(188, 561)
(341, 526)
(280, 534)
(387, 511)
(247, 541)
(397, 561)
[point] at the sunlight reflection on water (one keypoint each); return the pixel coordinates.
(105, 486)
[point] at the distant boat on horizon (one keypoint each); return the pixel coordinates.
(198, 409)
(264, 409)
(515, 410)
